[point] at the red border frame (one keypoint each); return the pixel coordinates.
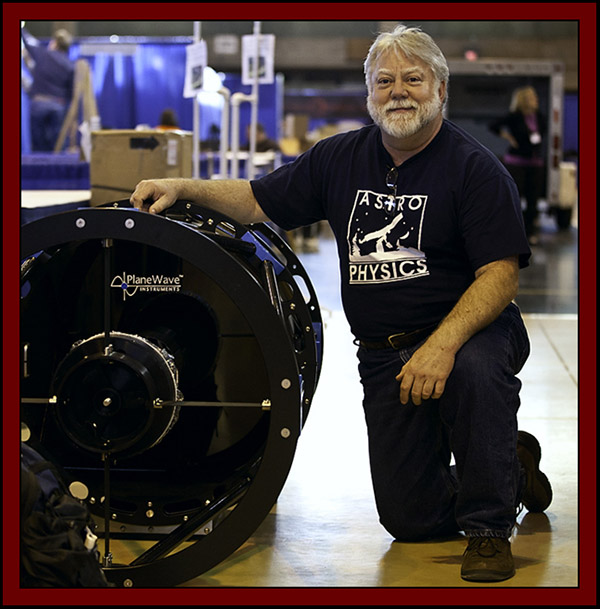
(585, 14)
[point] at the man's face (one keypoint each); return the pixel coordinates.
(404, 95)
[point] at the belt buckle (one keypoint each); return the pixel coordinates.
(391, 337)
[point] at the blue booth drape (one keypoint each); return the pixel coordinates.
(132, 89)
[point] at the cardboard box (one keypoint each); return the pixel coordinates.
(296, 125)
(121, 158)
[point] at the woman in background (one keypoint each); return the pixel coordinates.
(524, 127)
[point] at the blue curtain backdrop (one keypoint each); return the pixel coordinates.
(133, 88)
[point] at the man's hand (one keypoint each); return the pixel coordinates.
(155, 195)
(424, 375)
(234, 198)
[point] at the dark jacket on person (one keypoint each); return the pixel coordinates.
(53, 71)
(516, 125)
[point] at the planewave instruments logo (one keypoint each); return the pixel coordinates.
(130, 283)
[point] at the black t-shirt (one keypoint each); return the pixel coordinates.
(404, 260)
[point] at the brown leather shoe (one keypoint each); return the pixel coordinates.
(537, 494)
(487, 559)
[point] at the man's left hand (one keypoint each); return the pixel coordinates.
(424, 375)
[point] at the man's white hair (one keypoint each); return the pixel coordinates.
(411, 42)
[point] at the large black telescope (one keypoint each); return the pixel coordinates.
(168, 366)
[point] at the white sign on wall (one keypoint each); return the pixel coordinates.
(266, 55)
(226, 44)
(195, 62)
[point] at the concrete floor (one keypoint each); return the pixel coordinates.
(323, 533)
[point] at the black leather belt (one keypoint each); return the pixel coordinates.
(402, 340)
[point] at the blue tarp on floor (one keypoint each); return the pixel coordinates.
(49, 171)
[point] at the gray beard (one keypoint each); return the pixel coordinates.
(404, 126)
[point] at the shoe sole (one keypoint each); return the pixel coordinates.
(537, 494)
(486, 576)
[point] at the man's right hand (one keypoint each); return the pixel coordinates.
(233, 198)
(155, 196)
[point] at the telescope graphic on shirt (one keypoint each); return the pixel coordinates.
(384, 238)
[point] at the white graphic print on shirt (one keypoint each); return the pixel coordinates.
(384, 238)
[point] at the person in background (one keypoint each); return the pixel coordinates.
(524, 128)
(430, 237)
(51, 86)
(263, 142)
(168, 120)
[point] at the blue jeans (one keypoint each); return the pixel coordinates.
(46, 121)
(417, 492)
